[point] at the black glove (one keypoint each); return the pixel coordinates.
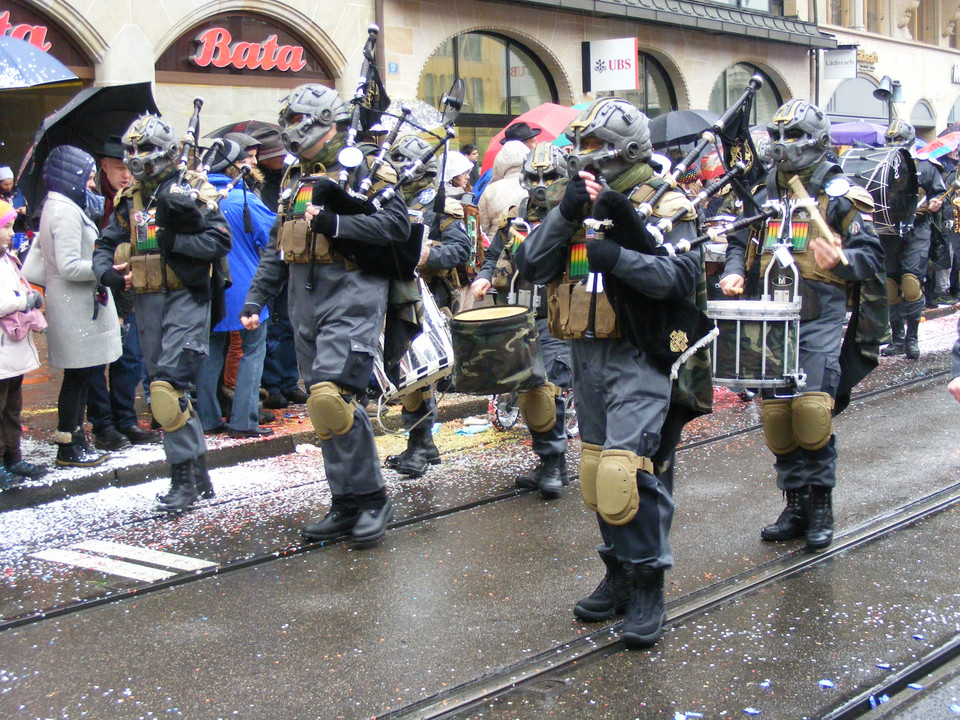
(249, 310)
(574, 199)
(325, 223)
(179, 212)
(331, 196)
(602, 255)
(113, 279)
(628, 229)
(34, 300)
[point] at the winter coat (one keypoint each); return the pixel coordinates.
(504, 191)
(81, 332)
(17, 357)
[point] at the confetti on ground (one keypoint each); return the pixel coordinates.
(765, 684)
(883, 666)
(751, 711)
(915, 686)
(827, 683)
(955, 709)
(918, 636)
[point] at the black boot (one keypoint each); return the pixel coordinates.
(549, 483)
(793, 521)
(73, 454)
(911, 344)
(183, 490)
(896, 344)
(420, 453)
(80, 438)
(610, 597)
(376, 512)
(336, 523)
(643, 625)
(820, 531)
(531, 480)
(204, 486)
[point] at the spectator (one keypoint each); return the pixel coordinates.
(522, 132)
(504, 191)
(248, 241)
(84, 331)
(18, 355)
(270, 159)
(112, 412)
(456, 174)
(473, 155)
(11, 194)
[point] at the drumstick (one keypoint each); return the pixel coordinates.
(796, 185)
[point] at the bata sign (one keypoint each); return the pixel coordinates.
(36, 35)
(217, 49)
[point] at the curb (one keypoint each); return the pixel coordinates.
(226, 456)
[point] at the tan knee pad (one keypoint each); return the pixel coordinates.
(618, 497)
(893, 291)
(776, 414)
(813, 419)
(589, 461)
(413, 401)
(165, 406)
(329, 412)
(539, 407)
(910, 285)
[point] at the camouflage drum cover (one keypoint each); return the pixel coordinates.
(496, 350)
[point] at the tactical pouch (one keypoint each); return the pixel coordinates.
(568, 312)
(503, 272)
(295, 240)
(147, 273)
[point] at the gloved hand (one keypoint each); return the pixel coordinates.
(330, 196)
(602, 255)
(628, 229)
(34, 300)
(325, 223)
(113, 279)
(249, 310)
(179, 212)
(574, 199)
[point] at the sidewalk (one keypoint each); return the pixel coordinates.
(142, 463)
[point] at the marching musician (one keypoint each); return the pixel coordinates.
(905, 255)
(446, 247)
(542, 407)
(628, 338)
(166, 241)
(799, 429)
(338, 255)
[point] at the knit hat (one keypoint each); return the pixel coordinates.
(7, 213)
(6, 173)
(690, 175)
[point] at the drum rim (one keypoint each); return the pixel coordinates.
(753, 310)
(512, 311)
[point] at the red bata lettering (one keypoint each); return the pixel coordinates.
(215, 49)
(36, 35)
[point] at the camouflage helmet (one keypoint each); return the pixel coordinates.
(623, 131)
(542, 167)
(150, 147)
(319, 108)
(407, 150)
(900, 133)
(799, 135)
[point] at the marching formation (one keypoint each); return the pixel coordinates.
(596, 256)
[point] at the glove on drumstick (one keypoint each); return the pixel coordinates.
(628, 229)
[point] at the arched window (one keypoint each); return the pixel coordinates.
(854, 100)
(730, 86)
(656, 94)
(922, 117)
(503, 79)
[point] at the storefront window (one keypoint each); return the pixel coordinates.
(503, 79)
(730, 86)
(656, 94)
(854, 100)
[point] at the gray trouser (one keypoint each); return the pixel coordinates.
(556, 360)
(425, 415)
(336, 330)
(622, 402)
(908, 255)
(174, 333)
(820, 341)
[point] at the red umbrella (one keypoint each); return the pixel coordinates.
(941, 146)
(552, 120)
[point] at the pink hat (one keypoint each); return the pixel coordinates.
(7, 213)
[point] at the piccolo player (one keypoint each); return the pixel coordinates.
(626, 343)
(799, 429)
(166, 240)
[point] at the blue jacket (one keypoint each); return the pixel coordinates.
(245, 255)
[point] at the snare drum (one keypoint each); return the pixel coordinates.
(496, 350)
(429, 358)
(890, 176)
(758, 345)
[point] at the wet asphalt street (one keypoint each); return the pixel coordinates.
(476, 579)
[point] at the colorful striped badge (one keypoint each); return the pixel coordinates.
(304, 196)
(577, 266)
(799, 239)
(147, 232)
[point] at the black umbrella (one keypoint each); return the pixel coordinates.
(86, 122)
(680, 126)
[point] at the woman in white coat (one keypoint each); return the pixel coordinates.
(84, 332)
(18, 354)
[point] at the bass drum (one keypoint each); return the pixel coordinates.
(890, 176)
